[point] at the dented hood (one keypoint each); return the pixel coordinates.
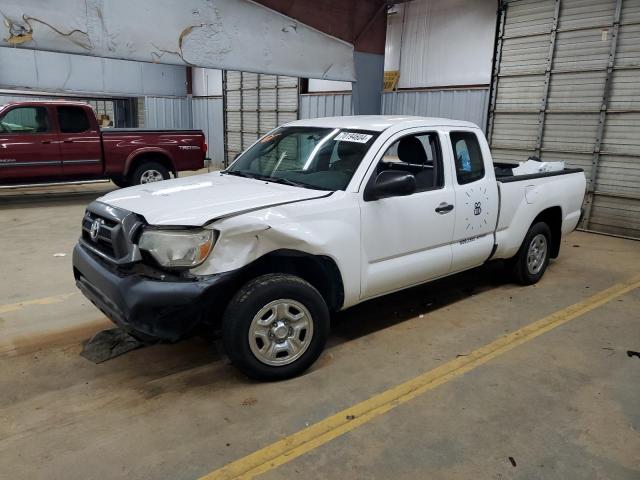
(199, 199)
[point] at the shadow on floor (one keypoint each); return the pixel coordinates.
(197, 362)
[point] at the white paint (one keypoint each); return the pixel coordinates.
(316, 85)
(444, 42)
(228, 34)
(379, 246)
(379, 123)
(516, 213)
(207, 82)
(197, 199)
(394, 38)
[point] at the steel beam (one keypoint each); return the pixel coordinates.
(595, 162)
(495, 77)
(225, 34)
(542, 115)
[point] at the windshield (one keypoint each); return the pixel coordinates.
(311, 157)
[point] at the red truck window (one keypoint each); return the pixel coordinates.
(25, 120)
(73, 120)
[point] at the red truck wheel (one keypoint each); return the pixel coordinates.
(149, 172)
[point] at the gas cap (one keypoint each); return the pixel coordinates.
(531, 193)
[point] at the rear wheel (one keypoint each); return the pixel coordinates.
(530, 263)
(149, 172)
(275, 327)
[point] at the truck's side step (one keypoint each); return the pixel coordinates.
(51, 184)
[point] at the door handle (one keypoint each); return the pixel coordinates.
(67, 141)
(443, 208)
(46, 142)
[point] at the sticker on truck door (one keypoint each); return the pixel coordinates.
(475, 208)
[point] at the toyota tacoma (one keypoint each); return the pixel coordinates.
(315, 217)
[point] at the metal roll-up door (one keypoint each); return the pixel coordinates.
(566, 86)
(254, 104)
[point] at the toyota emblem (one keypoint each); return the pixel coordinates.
(95, 229)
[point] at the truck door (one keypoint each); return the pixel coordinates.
(406, 240)
(28, 144)
(476, 194)
(80, 144)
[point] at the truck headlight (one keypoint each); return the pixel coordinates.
(177, 248)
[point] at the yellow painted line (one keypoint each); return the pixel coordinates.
(12, 307)
(324, 431)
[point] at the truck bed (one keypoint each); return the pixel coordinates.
(107, 131)
(504, 173)
(521, 202)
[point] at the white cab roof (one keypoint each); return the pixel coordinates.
(379, 123)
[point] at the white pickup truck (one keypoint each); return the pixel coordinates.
(315, 217)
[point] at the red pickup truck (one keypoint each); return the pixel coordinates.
(59, 141)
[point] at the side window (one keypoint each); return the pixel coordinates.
(26, 120)
(467, 156)
(416, 154)
(73, 120)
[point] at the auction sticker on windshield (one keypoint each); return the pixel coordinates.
(353, 137)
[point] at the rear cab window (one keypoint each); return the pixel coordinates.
(467, 157)
(73, 119)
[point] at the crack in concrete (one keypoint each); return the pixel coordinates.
(23, 33)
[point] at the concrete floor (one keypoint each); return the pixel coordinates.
(564, 405)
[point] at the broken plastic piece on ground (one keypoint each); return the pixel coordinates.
(109, 344)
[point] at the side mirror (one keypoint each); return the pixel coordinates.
(390, 183)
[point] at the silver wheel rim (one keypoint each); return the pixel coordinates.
(150, 176)
(280, 332)
(537, 254)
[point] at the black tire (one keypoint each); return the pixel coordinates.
(247, 303)
(522, 271)
(146, 168)
(121, 182)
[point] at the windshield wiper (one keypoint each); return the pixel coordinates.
(286, 181)
(238, 173)
(267, 178)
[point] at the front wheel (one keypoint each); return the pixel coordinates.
(275, 327)
(532, 259)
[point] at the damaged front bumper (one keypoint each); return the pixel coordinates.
(149, 308)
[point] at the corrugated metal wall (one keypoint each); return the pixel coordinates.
(468, 104)
(167, 112)
(254, 104)
(567, 87)
(460, 104)
(203, 113)
(208, 116)
(437, 43)
(325, 105)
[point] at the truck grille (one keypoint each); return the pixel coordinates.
(103, 240)
(109, 233)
